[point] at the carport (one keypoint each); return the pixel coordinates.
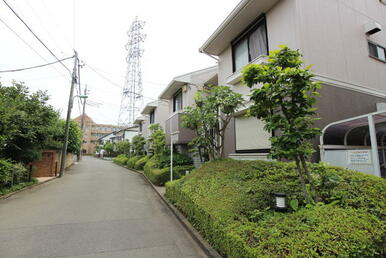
(356, 143)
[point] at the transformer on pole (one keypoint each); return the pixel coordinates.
(132, 98)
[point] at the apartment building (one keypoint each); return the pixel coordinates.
(180, 94)
(344, 41)
(155, 112)
(93, 131)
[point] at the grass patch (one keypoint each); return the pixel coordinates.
(17, 187)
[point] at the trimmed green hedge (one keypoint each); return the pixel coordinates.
(151, 164)
(141, 162)
(178, 160)
(230, 202)
(131, 162)
(160, 176)
(121, 159)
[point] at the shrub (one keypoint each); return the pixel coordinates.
(152, 163)
(5, 172)
(20, 173)
(178, 160)
(230, 202)
(121, 159)
(141, 162)
(131, 162)
(159, 176)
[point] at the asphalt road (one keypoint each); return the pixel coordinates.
(97, 209)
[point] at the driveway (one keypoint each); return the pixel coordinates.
(97, 209)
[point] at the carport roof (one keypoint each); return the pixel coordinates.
(343, 127)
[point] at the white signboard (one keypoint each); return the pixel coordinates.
(174, 137)
(359, 157)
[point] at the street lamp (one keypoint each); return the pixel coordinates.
(280, 201)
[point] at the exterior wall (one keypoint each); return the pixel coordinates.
(49, 163)
(184, 135)
(187, 98)
(129, 135)
(330, 34)
(161, 113)
(333, 38)
(281, 29)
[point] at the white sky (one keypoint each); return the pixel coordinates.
(175, 30)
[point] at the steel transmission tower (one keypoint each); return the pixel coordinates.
(132, 98)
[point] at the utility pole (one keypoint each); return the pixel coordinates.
(82, 121)
(67, 128)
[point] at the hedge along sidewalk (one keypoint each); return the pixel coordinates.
(160, 190)
(6, 196)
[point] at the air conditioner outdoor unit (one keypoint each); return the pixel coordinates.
(372, 27)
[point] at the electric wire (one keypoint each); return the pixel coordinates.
(121, 76)
(36, 66)
(42, 24)
(113, 83)
(37, 37)
(63, 34)
(25, 42)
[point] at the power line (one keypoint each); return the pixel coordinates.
(25, 42)
(121, 76)
(49, 50)
(44, 27)
(113, 83)
(34, 67)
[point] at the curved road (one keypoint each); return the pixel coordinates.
(97, 209)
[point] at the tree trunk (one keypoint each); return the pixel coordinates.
(306, 194)
(308, 175)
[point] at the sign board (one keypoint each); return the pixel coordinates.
(174, 137)
(359, 157)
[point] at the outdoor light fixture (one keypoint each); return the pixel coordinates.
(280, 201)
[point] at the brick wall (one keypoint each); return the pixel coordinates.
(49, 163)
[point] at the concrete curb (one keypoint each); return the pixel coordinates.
(205, 246)
(2, 197)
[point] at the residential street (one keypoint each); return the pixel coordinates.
(97, 209)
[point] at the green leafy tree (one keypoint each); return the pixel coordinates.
(74, 138)
(123, 147)
(109, 148)
(27, 123)
(138, 145)
(210, 116)
(285, 103)
(157, 141)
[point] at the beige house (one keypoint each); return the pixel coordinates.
(155, 112)
(180, 94)
(93, 132)
(344, 40)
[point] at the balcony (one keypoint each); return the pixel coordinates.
(173, 126)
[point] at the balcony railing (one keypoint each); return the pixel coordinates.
(173, 126)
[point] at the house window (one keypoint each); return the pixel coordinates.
(251, 44)
(140, 127)
(377, 51)
(177, 101)
(152, 116)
